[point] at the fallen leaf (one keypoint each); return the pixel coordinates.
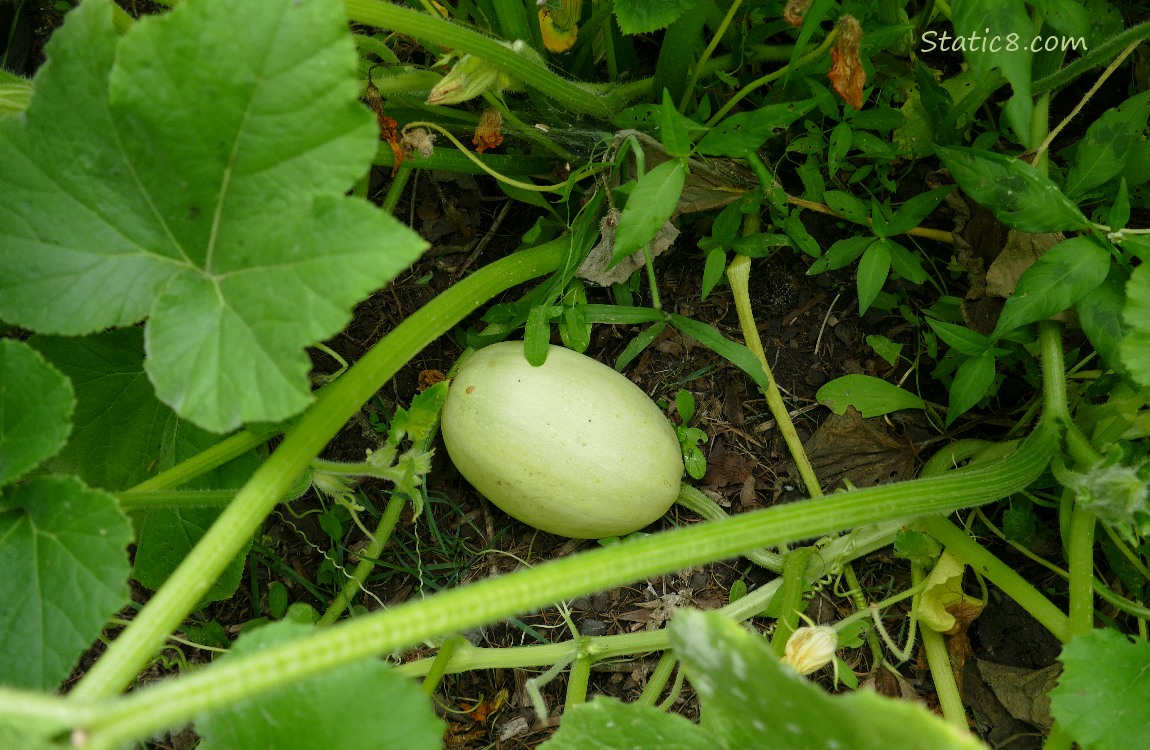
(848, 447)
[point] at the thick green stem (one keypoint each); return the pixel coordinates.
(941, 670)
(794, 586)
(176, 701)
(1000, 574)
(567, 94)
(1081, 568)
(739, 274)
(187, 585)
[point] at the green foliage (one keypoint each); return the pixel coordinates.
(1101, 696)
(220, 239)
(750, 700)
(639, 17)
(65, 562)
(35, 403)
(871, 396)
(362, 705)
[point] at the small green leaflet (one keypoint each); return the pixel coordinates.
(972, 382)
(872, 396)
(1135, 347)
(648, 208)
(192, 171)
(1102, 695)
(1014, 191)
(36, 402)
(607, 724)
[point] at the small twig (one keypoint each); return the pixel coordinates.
(483, 241)
(823, 327)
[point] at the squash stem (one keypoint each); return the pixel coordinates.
(130, 652)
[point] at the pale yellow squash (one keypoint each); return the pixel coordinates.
(571, 447)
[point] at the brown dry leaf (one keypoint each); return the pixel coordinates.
(725, 468)
(594, 267)
(860, 450)
(1019, 254)
(846, 75)
(1024, 693)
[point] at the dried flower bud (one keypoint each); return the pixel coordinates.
(418, 139)
(811, 648)
(795, 11)
(487, 133)
(846, 74)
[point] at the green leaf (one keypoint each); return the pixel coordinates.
(1103, 692)
(362, 705)
(960, 338)
(36, 401)
(65, 562)
(839, 145)
(1063, 275)
(1103, 152)
(673, 128)
(648, 208)
(841, 254)
(638, 344)
(738, 135)
(985, 29)
(607, 724)
(1014, 191)
(642, 16)
(972, 382)
(1100, 315)
(236, 241)
(1135, 347)
(685, 405)
(872, 396)
(874, 266)
(737, 354)
(713, 270)
(906, 263)
(910, 214)
(885, 348)
(750, 700)
(846, 205)
(800, 236)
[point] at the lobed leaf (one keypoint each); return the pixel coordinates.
(226, 225)
(63, 550)
(36, 401)
(1103, 692)
(984, 29)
